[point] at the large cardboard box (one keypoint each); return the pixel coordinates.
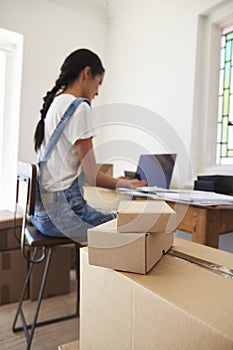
(146, 216)
(7, 237)
(13, 268)
(178, 305)
(133, 252)
(58, 279)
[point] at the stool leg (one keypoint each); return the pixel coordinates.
(25, 286)
(50, 251)
(25, 326)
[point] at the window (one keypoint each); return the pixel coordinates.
(225, 100)
(11, 46)
(212, 132)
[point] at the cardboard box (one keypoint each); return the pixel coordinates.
(58, 279)
(178, 305)
(13, 268)
(146, 216)
(70, 346)
(7, 237)
(133, 252)
(103, 198)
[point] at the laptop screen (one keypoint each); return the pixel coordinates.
(156, 169)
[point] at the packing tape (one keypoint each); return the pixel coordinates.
(218, 269)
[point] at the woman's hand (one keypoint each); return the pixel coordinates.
(134, 183)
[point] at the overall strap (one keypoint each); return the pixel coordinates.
(60, 128)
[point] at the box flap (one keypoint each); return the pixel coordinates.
(146, 216)
(204, 252)
(145, 207)
(201, 293)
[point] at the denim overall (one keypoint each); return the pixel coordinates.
(65, 213)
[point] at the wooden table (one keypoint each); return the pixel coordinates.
(205, 224)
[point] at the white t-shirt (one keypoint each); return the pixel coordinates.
(63, 166)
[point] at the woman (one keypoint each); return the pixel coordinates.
(62, 209)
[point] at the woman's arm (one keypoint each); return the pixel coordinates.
(93, 175)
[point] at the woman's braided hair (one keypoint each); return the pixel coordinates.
(70, 71)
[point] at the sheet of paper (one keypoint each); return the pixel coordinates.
(200, 198)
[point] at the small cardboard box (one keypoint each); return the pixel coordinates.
(58, 279)
(145, 216)
(178, 305)
(70, 346)
(132, 252)
(7, 237)
(13, 269)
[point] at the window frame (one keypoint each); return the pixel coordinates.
(12, 44)
(225, 110)
(206, 90)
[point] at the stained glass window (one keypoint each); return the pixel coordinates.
(225, 102)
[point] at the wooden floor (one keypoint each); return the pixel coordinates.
(46, 337)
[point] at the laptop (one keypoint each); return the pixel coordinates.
(155, 169)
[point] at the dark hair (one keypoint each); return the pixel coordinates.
(70, 71)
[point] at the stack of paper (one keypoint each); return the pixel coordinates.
(201, 198)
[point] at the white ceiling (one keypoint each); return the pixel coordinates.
(99, 9)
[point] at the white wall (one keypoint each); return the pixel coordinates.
(151, 62)
(149, 51)
(51, 32)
